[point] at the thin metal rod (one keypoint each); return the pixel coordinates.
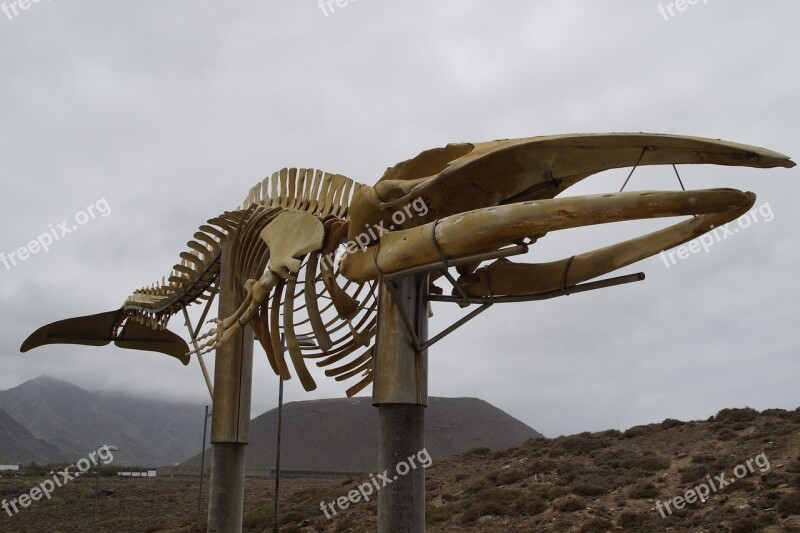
(420, 345)
(572, 289)
(96, 486)
(204, 315)
(436, 265)
(200, 359)
(455, 326)
(634, 168)
(202, 471)
(487, 302)
(679, 177)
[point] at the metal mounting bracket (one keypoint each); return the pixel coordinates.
(487, 302)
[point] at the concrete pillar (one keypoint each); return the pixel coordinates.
(400, 391)
(230, 425)
(226, 503)
(401, 504)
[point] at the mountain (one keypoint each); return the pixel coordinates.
(147, 432)
(19, 446)
(51, 420)
(342, 434)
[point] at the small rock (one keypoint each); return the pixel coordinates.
(680, 455)
(485, 518)
(744, 507)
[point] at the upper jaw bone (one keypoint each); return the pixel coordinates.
(544, 167)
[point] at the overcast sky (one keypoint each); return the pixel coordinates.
(168, 112)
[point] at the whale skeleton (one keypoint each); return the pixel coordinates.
(309, 249)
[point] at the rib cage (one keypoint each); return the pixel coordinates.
(300, 310)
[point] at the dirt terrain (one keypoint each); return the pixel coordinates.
(135, 504)
(592, 482)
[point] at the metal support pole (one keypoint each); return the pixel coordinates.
(230, 425)
(277, 528)
(202, 471)
(400, 391)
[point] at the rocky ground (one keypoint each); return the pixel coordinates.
(136, 504)
(592, 482)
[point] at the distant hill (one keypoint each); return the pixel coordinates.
(76, 422)
(342, 434)
(51, 420)
(19, 446)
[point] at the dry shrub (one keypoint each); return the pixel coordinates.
(793, 467)
(582, 444)
(703, 459)
(649, 462)
(583, 489)
(635, 431)
(597, 525)
(643, 491)
(478, 452)
(745, 525)
(789, 504)
(671, 423)
(570, 504)
(726, 434)
(779, 413)
(731, 416)
(693, 473)
(638, 522)
(530, 506)
(512, 475)
(483, 508)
